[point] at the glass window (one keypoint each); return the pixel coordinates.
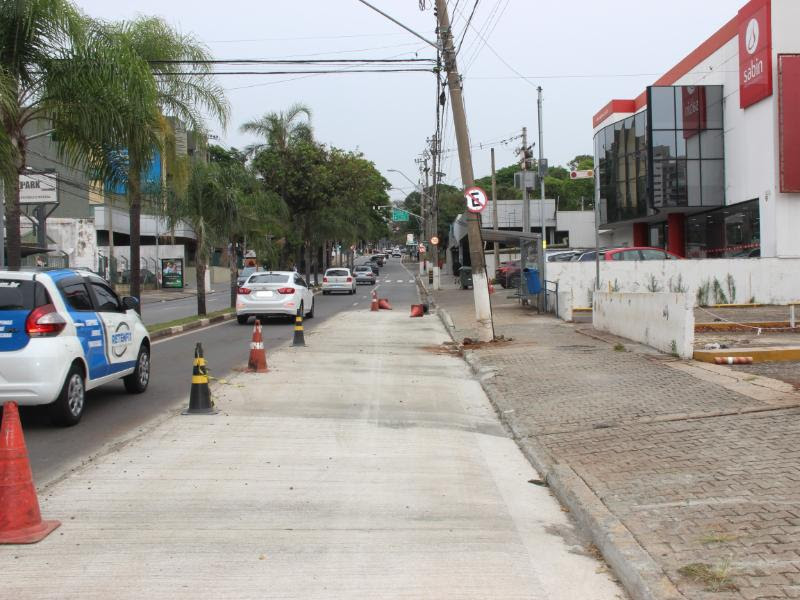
(664, 145)
(337, 272)
(107, 300)
(711, 144)
(631, 255)
(714, 106)
(616, 256)
(77, 296)
(300, 281)
(653, 255)
(268, 278)
(712, 179)
(22, 294)
(693, 190)
(661, 104)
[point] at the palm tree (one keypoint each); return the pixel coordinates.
(68, 74)
(185, 90)
(280, 129)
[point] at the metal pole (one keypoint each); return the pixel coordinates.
(526, 203)
(596, 232)
(41, 231)
(543, 246)
(480, 283)
(494, 216)
(435, 215)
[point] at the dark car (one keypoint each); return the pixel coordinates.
(378, 259)
(465, 277)
(508, 274)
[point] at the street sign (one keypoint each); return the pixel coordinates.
(399, 215)
(422, 248)
(476, 199)
(435, 241)
(38, 188)
(587, 174)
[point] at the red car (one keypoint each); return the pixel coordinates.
(633, 253)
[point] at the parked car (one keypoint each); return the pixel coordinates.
(378, 259)
(338, 280)
(65, 332)
(634, 253)
(508, 274)
(364, 274)
(273, 293)
(374, 267)
(244, 274)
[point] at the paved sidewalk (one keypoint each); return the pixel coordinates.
(687, 474)
(368, 464)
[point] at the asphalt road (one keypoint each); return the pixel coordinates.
(170, 310)
(112, 414)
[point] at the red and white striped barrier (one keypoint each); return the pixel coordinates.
(733, 360)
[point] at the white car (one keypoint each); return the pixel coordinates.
(273, 293)
(338, 280)
(63, 332)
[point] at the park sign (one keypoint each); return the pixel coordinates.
(38, 188)
(399, 215)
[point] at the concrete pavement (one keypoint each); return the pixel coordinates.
(685, 473)
(368, 464)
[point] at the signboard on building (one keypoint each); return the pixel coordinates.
(789, 119)
(693, 100)
(172, 273)
(755, 52)
(38, 188)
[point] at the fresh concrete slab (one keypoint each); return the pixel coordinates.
(368, 464)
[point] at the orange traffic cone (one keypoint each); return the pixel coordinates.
(20, 519)
(374, 304)
(417, 310)
(257, 363)
(384, 304)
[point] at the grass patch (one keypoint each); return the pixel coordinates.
(717, 538)
(619, 347)
(187, 320)
(715, 578)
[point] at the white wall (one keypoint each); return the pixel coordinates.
(77, 238)
(663, 321)
(765, 280)
(579, 224)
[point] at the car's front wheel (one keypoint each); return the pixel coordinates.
(67, 410)
(136, 382)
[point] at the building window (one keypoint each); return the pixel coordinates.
(728, 232)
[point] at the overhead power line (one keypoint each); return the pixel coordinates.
(260, 61)
(305, 72)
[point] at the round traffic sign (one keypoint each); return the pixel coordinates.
(435, 241)
(476, 199)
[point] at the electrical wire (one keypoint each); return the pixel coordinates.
(317, 72)
(466, 27)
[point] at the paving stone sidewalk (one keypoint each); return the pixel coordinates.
(698, 465)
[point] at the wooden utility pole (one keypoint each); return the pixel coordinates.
(435, 211)
(494, 216)
(526, 203)
(480, 282)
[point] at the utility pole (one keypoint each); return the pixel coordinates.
(526, 203)
(2, 222)
(542, 173)
(494, 216)
(480, 282)
(435, 212)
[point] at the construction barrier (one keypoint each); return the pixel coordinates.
(20, 518)
(257, 362)
(299, 337)
(200, 402)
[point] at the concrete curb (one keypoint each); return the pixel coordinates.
(639, 574)
(759, 354)
(170, 331)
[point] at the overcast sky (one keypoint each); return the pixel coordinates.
(583, 53)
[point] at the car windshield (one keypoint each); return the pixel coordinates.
(268, 278)
(337, 273)
(363, 269)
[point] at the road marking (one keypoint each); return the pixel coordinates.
(399, 281)
(410, 281)
(355, 303)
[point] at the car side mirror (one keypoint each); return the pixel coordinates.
(130, 303)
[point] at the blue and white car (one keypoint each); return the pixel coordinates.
(63, 332)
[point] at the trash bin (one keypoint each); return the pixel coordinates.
(532, 280)
(465, 277)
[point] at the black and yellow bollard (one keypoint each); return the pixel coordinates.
(200, 402)
(299, 338)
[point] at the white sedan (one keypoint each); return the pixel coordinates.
(338, 280)
(273, 293)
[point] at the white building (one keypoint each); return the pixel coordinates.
(706, 161)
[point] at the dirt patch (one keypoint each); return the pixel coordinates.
(446, 348)
(473, 344)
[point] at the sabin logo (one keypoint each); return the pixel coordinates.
(751, 36)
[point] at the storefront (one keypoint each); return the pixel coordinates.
(706, 161)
